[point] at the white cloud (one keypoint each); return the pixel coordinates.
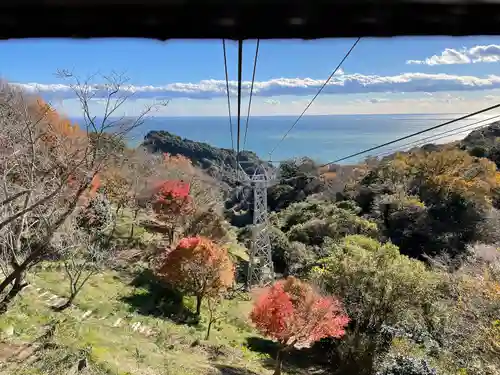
(377, 100)
(342, 84)
(388, 103)
(477, 54)
(448, 56)
(490, 53)
(272, 102)
(339, 72)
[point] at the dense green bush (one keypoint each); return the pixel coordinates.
(379, 287)
(299, 231)
(280, 246)
(96, 216)
(431, 203)
(402, 365)
(466, 315)
(337, 222)
(348, 205)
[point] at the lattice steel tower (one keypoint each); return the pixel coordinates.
(260, 263)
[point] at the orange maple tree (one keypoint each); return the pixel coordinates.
(295, 315)
(199, 267)
(56, 130)
(67, 145)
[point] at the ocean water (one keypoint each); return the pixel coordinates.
(323, 138)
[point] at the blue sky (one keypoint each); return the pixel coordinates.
(391, 75)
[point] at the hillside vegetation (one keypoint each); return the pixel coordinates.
(216, 161)
(132, 261)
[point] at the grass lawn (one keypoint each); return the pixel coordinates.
(114, 348)
(102, 326)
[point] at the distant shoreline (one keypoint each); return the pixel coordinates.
(321, 138)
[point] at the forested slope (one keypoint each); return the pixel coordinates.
(212, 159)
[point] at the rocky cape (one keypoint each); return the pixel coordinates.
(218, 162)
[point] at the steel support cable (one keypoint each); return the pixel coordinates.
(251, 92)
(437, 138)
(240, 73)
(413, 135)
(434, 137)
(227, 92)
(315, 96)
(390, 152)
(419, 141)
(423, 141)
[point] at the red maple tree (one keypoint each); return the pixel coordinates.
(172, 204)
(172, 198)
(199, 267)
(295, 315)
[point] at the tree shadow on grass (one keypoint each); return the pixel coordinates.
(156, 298)
(232, 370)
(263, 346)
(294, 362)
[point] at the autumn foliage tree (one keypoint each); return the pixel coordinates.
(295, 315)
(199, 267)
(205, 191)
(185, 201)
(171, 205)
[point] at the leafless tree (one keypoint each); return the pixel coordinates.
(214, 312)
(338, 176)
(47, 166)
(127, 181)
(83, 252)
(468, 303)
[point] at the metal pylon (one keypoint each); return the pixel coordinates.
(260, 263)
